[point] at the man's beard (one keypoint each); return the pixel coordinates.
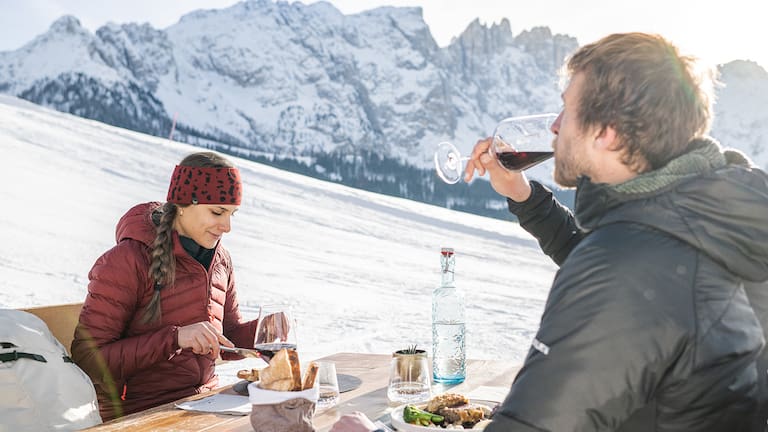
(562, 176)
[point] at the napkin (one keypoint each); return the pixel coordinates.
(260, 396)
(282, 411)
(219, 403)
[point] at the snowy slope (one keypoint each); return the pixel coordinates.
(358, 267)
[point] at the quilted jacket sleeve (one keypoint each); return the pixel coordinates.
(550, 222)
(100, 348)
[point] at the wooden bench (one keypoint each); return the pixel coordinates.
(60, 319)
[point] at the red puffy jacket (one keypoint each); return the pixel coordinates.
(136, 366)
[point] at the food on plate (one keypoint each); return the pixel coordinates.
(446, 400)
(248, 374)
(416, 416)
(466, 415)
(449, 409)
(284, 373)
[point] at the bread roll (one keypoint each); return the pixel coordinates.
(278, 375)
(310, 376)
(293, 358)
(248, 374)
(284, 373)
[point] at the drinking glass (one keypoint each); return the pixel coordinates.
(518, 144)
(275, 330)
(329, 385)
(409, 377)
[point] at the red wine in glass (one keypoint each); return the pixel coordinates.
(522, 142)
(518, 143)
(521, 160)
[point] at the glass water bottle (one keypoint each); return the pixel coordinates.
(448, 325)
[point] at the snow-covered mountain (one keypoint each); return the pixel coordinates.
(741, 111)
(292, 79)
(279, 79)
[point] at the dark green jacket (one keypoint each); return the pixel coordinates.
(648, 325)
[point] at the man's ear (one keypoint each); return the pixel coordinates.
(607, 139)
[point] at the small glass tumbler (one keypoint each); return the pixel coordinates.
(329, 385)
(409, 377)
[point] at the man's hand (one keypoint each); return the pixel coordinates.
(203, 338)
(513, 185)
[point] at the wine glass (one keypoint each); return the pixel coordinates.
(518, 144)
(275, 330)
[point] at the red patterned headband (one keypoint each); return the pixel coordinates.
(195, 185)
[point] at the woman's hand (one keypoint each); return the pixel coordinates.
(355, 422)
(203, 338)
(513, 185)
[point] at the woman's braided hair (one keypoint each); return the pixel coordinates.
(162, 268)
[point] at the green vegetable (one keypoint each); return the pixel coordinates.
(416, 416)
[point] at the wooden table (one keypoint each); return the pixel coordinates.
(370, 398)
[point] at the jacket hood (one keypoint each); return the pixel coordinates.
(713, 200)
(137, 224)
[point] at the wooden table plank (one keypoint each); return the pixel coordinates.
(370, 398)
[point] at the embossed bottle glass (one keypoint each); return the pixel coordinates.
(448, 325)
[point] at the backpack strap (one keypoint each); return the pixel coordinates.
(15, 355)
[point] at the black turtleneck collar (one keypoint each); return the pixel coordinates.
(199, 253)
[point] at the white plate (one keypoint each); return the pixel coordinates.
(399, 424)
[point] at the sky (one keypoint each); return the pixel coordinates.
(357, 267)
(717, 32)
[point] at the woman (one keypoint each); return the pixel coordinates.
(162, 300)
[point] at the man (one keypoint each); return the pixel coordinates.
(647, 325)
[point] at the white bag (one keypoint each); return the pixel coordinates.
(40, 387)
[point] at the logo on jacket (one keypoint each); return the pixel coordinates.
(540, 346)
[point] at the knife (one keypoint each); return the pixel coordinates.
(241, 351)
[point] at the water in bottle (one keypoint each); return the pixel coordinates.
(448, 325)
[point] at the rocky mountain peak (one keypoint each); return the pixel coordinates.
(480, 39)
(548, 50)
(743, 69)
(67, 24)
(139, 52)
(65, 30)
